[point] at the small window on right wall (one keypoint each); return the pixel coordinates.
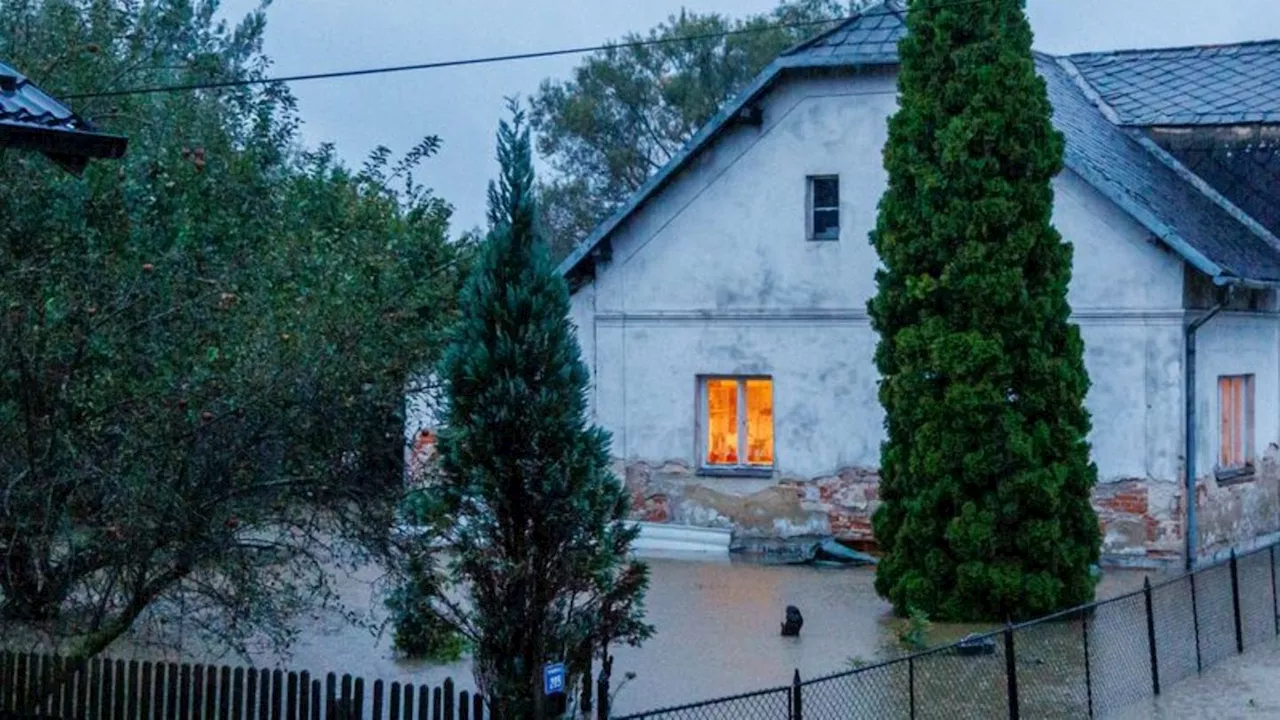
(824, 207)
(1235, 436)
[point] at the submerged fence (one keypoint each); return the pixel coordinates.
(1092, 661)
(119, 690)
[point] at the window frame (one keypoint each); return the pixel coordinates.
(1226, 468)
(812, 209)
(741, 468)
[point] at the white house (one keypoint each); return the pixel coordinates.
(723, 310)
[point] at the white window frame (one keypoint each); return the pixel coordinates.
(811, 209)
(1247, 420)
(741, 468)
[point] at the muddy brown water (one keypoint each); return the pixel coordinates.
(717, 632)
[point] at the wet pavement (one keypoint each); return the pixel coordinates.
(717, 632)
(1247, 686)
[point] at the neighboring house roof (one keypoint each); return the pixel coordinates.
(1126, 167)
(1216, 85)
(31, 118)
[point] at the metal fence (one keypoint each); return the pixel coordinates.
(1091, 661)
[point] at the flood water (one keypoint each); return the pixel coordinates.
(717, 632)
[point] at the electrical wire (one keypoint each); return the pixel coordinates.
(492, 59)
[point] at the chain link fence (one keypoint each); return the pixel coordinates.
(1093, 661)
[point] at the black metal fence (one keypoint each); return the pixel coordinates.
(1092, 661)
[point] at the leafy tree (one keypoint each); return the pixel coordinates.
(986, 474)
(629, 109)
(204, 347)
(525, 499)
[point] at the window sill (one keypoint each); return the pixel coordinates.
(824, 238)
(1235, 476)
(736, 472)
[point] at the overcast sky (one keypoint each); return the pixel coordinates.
(463, 105)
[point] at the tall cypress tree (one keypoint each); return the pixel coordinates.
(538, 536)
(986, 474)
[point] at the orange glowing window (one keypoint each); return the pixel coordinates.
(1235, 407)
(738, 422)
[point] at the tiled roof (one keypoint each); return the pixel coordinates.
(1123, 165)
(30, 117)
(1220, 85)
(871, 39)
(1135, 174)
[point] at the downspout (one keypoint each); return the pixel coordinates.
(1189, 434)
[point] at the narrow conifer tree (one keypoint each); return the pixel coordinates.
(540, 546)
(986, 475)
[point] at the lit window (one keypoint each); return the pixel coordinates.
(1235, 406)
(737, 422)
(824, 207)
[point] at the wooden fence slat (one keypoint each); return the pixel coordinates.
(395, 702)
(436, 704)
(184, 689)
(237, 694)
(315, 699)
(424, 702)
(131, 711)
(277, 694)
(358, 700)
(408, 701)
(173, 676)
(304, 696)
(477, 707)
(464, 705)
(160, 680)
(68, 689)
(344, 701)
(108, 687)
(197, 695)
(224, 693)
(330, 697)
(144, 702)
(377, 700)
(449, 695)
(264, 694)
(119, 683)
(251, 694)
(42, 685)
(19, 683)
(210, 692)
(94, 687)
(6, 667)
(291, 706)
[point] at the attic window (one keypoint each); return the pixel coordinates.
(824, 207)
(737, 423)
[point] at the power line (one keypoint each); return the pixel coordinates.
(217, 84)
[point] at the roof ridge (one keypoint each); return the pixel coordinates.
(1173, 48)
(1090, 92)
(890, 5)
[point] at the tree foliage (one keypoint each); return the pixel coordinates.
(532, 514)
(986, 474)
(628, 109)
(204, 347)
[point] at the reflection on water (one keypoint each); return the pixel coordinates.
(717, 633)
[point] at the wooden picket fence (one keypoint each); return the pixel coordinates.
(107, 689)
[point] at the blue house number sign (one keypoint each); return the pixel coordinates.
(553, 678)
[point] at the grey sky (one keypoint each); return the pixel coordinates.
(463, 105)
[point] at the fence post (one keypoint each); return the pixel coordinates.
(911, 686)
(602, 693)
(1275, 601)
(1195, 622)
(1011, 671)
(1088, 668)
(797, 704)
(1151, 636)
(1235, 601)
